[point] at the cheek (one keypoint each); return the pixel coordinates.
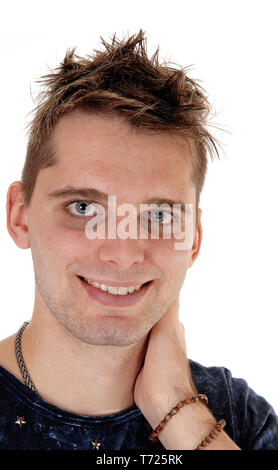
(163, 254)
(61, 244)
(172, 263)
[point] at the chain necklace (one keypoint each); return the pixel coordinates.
(20, 360)
(25, 373)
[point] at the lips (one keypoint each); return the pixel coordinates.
(105, 298)
(114, 288)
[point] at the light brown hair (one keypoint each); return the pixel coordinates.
(153, 97)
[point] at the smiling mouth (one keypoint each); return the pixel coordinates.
(117, 300)
(115, 290)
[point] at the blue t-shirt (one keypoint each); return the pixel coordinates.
(251, 421)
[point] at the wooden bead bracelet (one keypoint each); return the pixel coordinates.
(180, 404)
(218, 428)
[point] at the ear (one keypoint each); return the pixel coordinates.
(16, 215)
(197, 239)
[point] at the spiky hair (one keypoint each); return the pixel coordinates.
(122, 79)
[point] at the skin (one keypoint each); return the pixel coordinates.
(76, 349)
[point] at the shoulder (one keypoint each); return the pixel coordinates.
(251, 421)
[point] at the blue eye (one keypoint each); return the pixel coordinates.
(162, 219)
(82, 208)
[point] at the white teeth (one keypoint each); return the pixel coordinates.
(122, 291)
(103, 287)
(113, 289)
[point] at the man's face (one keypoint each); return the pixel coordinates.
(103, 153)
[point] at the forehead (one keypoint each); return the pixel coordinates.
(107, 153)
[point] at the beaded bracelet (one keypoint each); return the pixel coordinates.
(180, 404)
(218, 428)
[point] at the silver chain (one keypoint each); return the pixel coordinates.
(20, 360)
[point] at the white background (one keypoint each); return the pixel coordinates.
(229, 299)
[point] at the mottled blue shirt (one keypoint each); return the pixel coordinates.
(251, 421)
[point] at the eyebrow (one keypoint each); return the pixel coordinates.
(93, 193)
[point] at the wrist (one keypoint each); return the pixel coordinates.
(155, 408)
(185, 429)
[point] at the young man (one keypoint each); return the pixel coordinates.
(103, 359)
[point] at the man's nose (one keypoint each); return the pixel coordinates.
(122, 253)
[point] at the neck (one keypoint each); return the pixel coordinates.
(91, 380)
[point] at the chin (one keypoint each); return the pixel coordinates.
(107, 331)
